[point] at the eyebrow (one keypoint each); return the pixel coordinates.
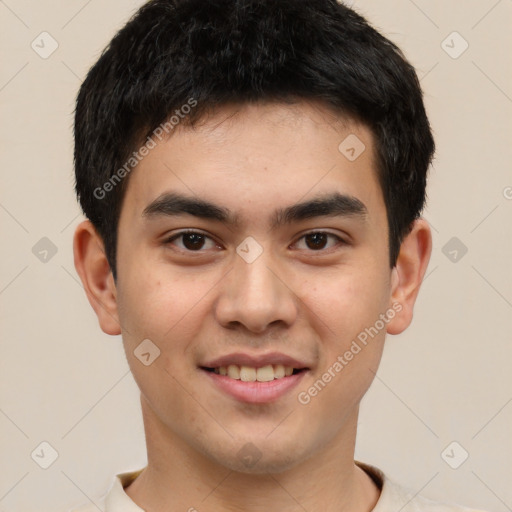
(332, 204)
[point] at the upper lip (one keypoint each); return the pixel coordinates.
(255, 361)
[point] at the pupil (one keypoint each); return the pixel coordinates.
(318, 240)
(195, 240)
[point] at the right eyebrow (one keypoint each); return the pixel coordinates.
(173, 204)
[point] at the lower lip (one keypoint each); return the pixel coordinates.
(256, 392)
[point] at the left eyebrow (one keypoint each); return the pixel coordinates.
(326, 205)
(329, 205)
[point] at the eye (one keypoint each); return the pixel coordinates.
(192, 241)
(195, 241)
(317, 240)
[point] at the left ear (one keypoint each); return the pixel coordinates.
(408, 273)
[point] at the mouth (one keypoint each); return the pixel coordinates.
(244, 373)
(255, 380)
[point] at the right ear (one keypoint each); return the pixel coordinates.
(92, 266)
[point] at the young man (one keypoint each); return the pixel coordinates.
(253, 173)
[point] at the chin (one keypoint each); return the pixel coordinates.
(264, 466)
(261, 458)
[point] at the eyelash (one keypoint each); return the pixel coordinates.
(340, 241)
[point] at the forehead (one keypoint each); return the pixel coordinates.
(253, 156)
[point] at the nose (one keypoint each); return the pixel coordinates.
(257, 296)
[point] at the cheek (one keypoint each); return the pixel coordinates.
(163, 309)
(154, 305)
(346, 300)
(346, 309)
(346, 306)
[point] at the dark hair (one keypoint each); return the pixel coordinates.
(217, 52)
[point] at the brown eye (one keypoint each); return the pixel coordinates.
(318, 240)
(192, 241)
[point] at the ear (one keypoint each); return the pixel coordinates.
(92, 266)
(408, 273)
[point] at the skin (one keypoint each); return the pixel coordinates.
(306, 302)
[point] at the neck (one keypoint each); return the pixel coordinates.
(179, 478)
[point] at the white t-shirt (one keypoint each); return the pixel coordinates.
(393, 497)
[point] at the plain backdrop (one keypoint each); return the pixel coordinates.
(446, 379)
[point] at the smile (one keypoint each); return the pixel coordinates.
(245, 373)
(248, 384)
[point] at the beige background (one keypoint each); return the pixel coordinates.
(446, 379)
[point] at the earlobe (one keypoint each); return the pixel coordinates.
(92, 266)
(408, 273)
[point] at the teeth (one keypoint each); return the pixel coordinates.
(249, 374)
(233, 371)
(279, 371)
(265, 373)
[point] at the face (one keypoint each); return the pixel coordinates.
(285, 270)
